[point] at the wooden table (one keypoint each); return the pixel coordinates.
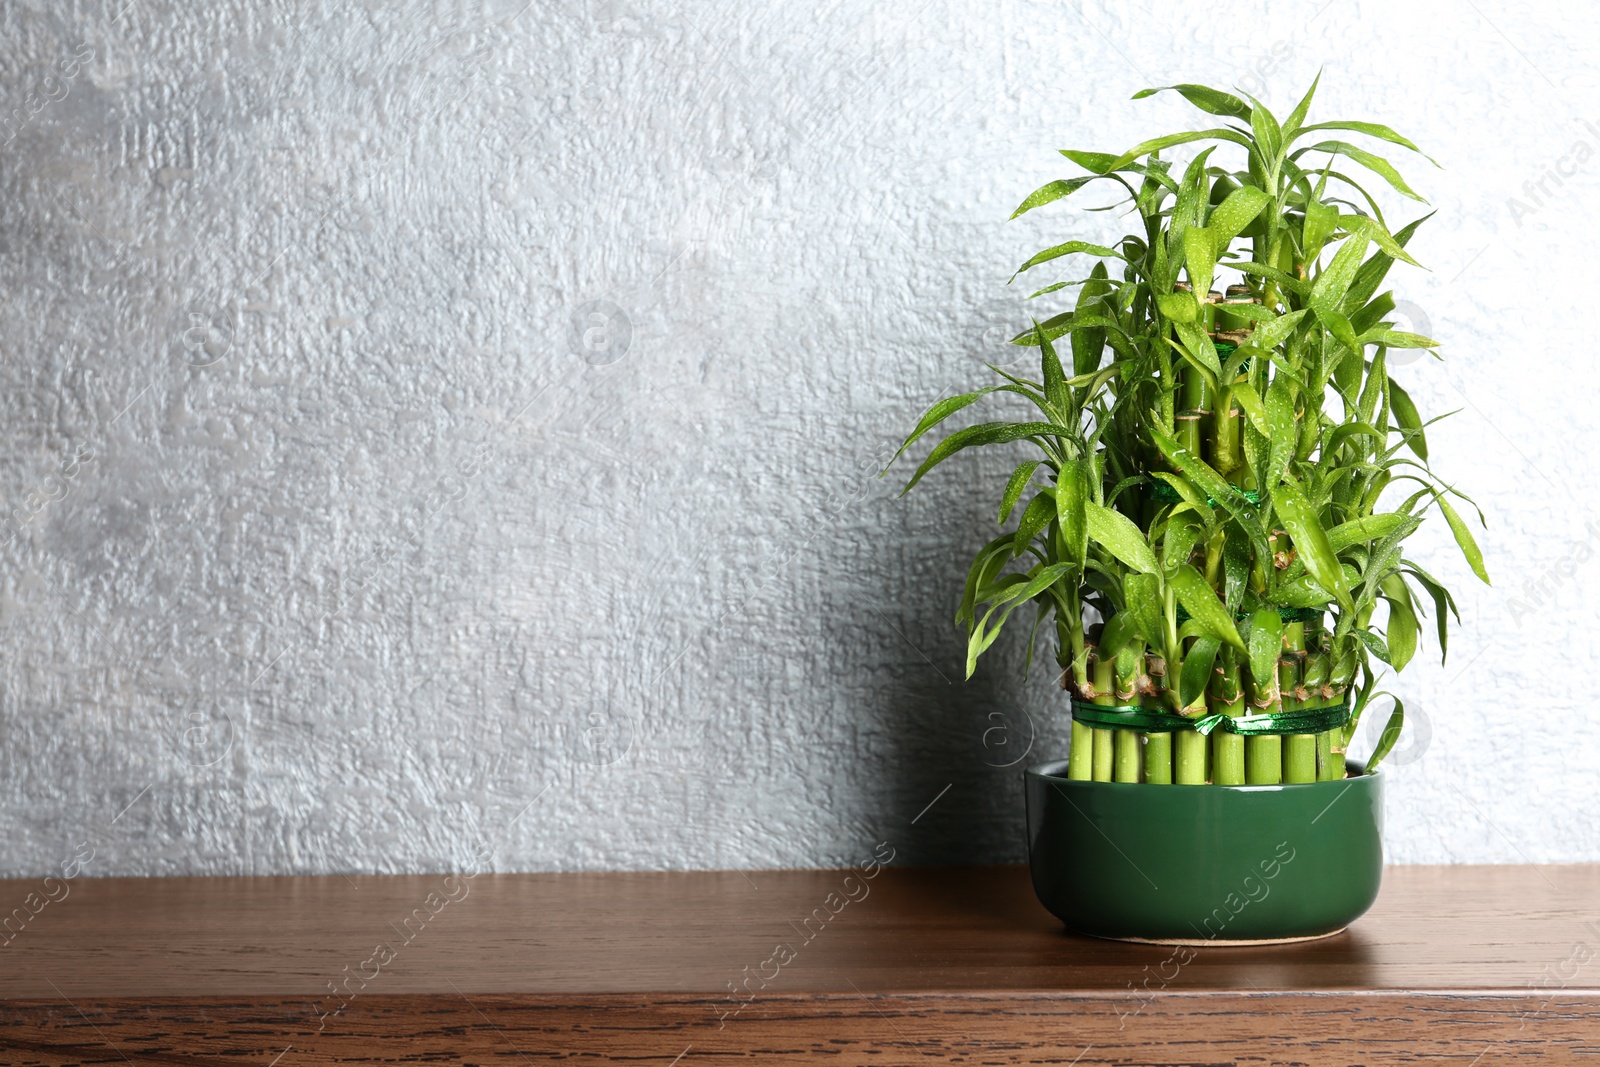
(1460, 964)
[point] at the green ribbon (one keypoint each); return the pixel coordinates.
(1312, 615)
(1163, 493)
(1144, 720)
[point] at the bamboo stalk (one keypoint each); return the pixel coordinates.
(1125, 746)
(1102, 672)
(1227, 695)
(1325, 767)
(1158, 758)
(1102, 769)
(1263, 760)
(1227, 757)
(1080, 757)
(1189, 755)
(1300, 758)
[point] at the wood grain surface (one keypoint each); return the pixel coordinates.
(957, 965)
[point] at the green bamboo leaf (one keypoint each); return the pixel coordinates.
(1334, 281)
(1469, 547)
(1396, 339)
(1291, 125)
(986, 566)
(1401, 632)
(1179, 307)
(1212, 101)
(1097, 163)
(1054, 377)
(1052, 191)
(1234, 214)
(1283, 430)
(1088, 343)
(1205, 478)
(1343, 432)
(1273, 333)
(1405, 413)
(1444, 605)
(1072, 498)
(1192, 496)
(1310, 541)
(1390, 735)
(1269, 135)
(1371, 129)
(1068, 249)
(1197, 666)
(1035, 517)
(1305, 592)
(1266, 641)
(937, 414)
(1015, 486)
(1367, 528)
(1141, 598)
(985, 433)
(1199, 351)
(1380, 236)
(1376, 164)
(1179, 541)
(1200, 255)
(1374, 644)
(1172, 140)
(1119, 536)
(1203, 605)
(1250, 403)
(1120, 631)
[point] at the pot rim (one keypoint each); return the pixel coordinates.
(1055, 771)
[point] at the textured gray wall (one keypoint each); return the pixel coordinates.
(429, 427)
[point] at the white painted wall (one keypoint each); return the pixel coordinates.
(378, 545)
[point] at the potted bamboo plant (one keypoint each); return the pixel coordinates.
(1222, 480)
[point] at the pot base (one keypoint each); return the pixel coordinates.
(1203, 942)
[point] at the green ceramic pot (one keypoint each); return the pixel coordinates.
(1205, 864)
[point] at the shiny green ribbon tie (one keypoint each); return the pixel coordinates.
(1144, 720)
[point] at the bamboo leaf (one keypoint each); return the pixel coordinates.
(1052, 191)
(1014, 487)
(1310, 542)
(1172, 140)
(1202, 604)
(1089, 343)
(1197, 666)
(1282, 428)
(1376, 164)
(1119, 536)
(1273, 333)
(985, 433)
(1367, 528)
(1212, 101)
(1072, 499)
(1390, 735)
(1334, 281)
(1405, 413)
(1141, 597)
(1096, 162)
(1292, 125)
(1469, 547)
(938, 413)
(1035, 517)
(1401, 632)
(1200, 255)
(1266, 641)
(1250, 403)
(1068, 249)
(1235, 213)
(1371, 129)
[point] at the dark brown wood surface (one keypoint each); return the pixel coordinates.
(952, 964)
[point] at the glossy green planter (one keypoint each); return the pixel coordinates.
(1205, 864)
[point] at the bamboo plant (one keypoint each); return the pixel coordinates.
(1226, 474)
